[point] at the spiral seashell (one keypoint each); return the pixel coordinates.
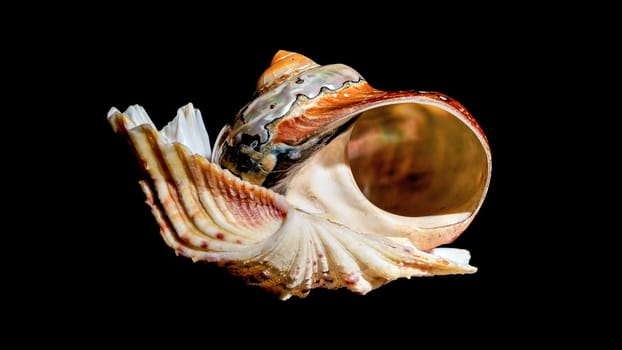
(320, 182)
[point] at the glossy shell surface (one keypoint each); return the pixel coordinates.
(321, 181)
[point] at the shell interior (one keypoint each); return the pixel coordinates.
(418, 160)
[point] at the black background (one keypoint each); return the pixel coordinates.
(108, 261)
(141, 274)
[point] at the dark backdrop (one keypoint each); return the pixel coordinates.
(114, 266)
(141, 274)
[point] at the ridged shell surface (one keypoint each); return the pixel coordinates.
(320, 182)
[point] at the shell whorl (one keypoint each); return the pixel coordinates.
(284, 64)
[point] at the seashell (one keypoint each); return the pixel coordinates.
(321, 181)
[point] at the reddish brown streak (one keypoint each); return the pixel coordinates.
(254, 211)
(332, 106)
(324, 109)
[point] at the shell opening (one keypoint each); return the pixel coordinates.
(419, 160)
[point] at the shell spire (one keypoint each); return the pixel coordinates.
(284, 64)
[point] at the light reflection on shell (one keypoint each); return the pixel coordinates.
(322, 181)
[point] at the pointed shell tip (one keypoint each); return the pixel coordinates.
(284, 64)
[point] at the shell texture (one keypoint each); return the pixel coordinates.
(320, 182)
